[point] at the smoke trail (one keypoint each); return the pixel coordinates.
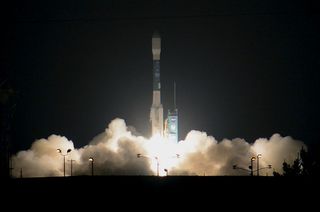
(115, 153)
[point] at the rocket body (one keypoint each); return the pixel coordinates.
(156, 112)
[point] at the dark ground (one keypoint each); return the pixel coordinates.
(268, 191)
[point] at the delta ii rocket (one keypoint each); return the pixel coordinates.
(156, 112)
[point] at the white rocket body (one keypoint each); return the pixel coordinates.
(156, 112)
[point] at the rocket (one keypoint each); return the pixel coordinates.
(156, 112)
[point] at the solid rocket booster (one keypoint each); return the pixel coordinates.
(156, 112)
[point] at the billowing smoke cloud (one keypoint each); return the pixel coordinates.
(207, 156)
(115, 153)
(41, 160)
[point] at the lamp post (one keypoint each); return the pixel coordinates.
(64, 159)
(91, 160)
(157, 159)
(167, 172)
(71, 166)
(251, 167)
(258, 156)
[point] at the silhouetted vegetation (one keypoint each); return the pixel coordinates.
(306, 164)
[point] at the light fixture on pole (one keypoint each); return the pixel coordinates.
(258, 156)
(64, 159)
(251, 166)
(167, 172)
(251, 170)
(156, 158)
(71, 161)
(91, 160)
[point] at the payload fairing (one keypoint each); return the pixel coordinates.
(156, 112)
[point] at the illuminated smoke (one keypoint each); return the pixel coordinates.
(206, 156)
(115, 153)
(42, 159)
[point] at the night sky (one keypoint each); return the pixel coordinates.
(245, 69)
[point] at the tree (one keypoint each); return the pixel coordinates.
(292, 170)
(305, 164)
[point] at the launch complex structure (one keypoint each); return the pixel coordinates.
(169, 129)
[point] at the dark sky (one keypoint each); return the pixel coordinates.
(243, 69)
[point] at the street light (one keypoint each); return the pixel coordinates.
(175, 156)
(157, 159)
(91, 160)
(167, 172)
(64, 159)
(71, 167)
(237, 167)
(258, 156)
(251, 167)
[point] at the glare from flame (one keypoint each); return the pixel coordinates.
(161, 152)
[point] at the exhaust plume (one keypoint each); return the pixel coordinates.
(115, 153)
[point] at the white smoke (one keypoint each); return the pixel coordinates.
(207, 156)
(42, 159)
(115, 153)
